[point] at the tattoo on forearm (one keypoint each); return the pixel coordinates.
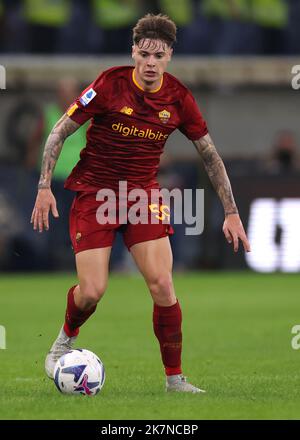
(216, 171)
(62, 129)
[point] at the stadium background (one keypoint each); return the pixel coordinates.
(237, 57)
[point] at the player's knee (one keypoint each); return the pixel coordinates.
(161, 286)
(92, 292)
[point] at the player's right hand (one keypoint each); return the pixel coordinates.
(45, 201)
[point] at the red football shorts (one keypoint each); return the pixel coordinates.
(88, 231)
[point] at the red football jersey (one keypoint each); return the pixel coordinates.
(129, 129)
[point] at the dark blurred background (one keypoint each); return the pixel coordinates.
(205, 27)
(236, 56)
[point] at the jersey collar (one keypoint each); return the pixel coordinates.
(141, 88)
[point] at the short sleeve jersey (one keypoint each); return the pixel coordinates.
(129, 128)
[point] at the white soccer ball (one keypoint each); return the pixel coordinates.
(79, 371)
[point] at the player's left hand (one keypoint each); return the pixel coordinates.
(234, 231)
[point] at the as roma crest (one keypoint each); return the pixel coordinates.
(164, 116)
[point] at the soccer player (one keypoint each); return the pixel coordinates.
(133, 111)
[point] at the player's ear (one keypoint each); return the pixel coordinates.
(133, 50)
(170, 53)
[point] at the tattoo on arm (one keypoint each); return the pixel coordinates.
(216, 171)
(61, 130)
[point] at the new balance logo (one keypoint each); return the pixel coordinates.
(126, 110)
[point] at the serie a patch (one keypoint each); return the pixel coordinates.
(87, 97)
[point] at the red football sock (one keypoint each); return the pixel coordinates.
(167, 329)
(75, 317)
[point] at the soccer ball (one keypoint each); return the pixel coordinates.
(79, 371)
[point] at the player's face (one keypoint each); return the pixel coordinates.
(151, 59)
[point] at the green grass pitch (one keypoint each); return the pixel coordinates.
(237, 346)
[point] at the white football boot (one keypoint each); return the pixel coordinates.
(61, 345)
(179, 383)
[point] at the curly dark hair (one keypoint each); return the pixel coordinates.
(155, 27)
